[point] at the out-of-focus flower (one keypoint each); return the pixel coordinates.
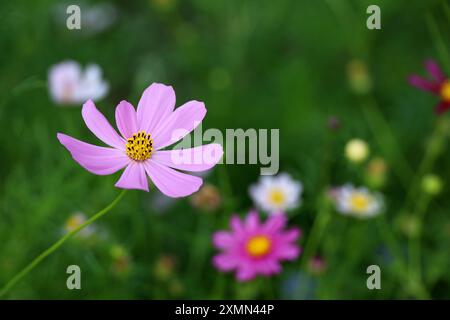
(164, 5)
(253, 248)
(438, 85)
(99, 17)
(70, 85)
(176, 287)
(357, 150)
(145, 132)
(446, 228)
(207, 198)
(275, 194)
(299, 286)
(333, 123)
(95, 18)
(432, 184)
(408, 224)
(376, 172)
(164, 267)
(358, 202)
(121, 260)
(317, 265)
(358, 77)
(74, 221)
(160, 203)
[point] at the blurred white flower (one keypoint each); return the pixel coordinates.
(95, 18)
(275, 194)
(70, 85)
(99, 17)
(357, 150)
(358, 202)
(74, 221)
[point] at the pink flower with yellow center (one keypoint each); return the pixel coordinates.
(439, 85)
(145, 132)
(254, 248)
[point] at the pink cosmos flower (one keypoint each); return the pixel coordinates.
(145, 132)
(439, 85)
(253, 248)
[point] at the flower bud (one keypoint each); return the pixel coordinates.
(376, 172)
(207, 198)
(432, 184)
(358, 77)
(357, 150)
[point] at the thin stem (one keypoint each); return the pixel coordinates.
(317, 230)
(391, 241)
(434, 148)
(415, 270)
(439, 41)
(58, 244)
(383, 133)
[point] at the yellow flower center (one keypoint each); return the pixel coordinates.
(73, 222)
(359, 202)
(277, 197)
(140, 146)
(445, 90)
(258, 246)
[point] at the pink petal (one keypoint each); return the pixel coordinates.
(423, 84)
(245, 272)
(287, 252)
(97, 123)
(133, 177)
(225, 262)
(290, 235)
(275, 223)
(252, 221)
(442, 107)
(98, 160)
(223, 239)
(126, 119)
(156, 104)
(181, 122)
(196, 159)
(171, 182)
(434, 70)
(269, 267)
(236, 225)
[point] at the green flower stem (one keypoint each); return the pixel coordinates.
(446, 10)
(383, 133)
(317, 230)
(392, 243)
(56, 245)
(415, 270)
(434, 148)
(438, 38)
(323, 204)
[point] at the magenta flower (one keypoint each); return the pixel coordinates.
(145, 132)
(439, 85)
(253, 248)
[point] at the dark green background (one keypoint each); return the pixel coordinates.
(256, 64)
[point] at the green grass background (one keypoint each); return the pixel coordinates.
(256, 64)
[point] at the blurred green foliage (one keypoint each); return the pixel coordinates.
(256, 64)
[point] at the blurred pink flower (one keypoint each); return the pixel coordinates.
(153, 127)
(69, 84)
(317, 265)
(253, 248)
(439, 85)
